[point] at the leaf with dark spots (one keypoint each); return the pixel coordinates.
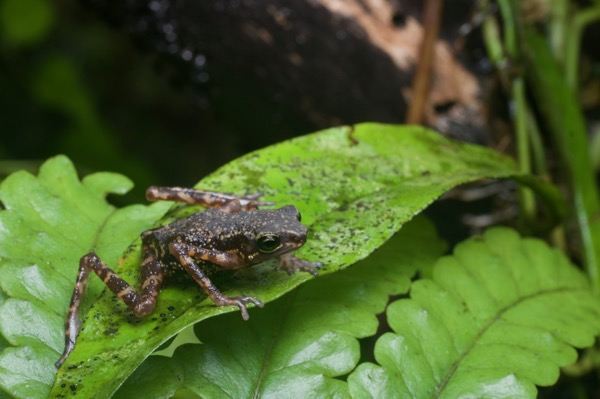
(289, 349)
(352, 194)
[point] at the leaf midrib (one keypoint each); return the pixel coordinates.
(271, 345)
(493, 320)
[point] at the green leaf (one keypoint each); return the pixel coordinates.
(47, 224)
(355, 187)
(302, 342)
(500, 316)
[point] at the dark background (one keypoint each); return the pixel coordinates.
(167, 91)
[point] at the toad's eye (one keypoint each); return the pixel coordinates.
(268, 243)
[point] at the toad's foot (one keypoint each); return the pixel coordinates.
(240, 302)
(291, 264)
(250, 202)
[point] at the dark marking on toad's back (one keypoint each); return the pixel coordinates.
(234, 234)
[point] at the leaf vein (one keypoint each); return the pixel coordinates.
(452, 370)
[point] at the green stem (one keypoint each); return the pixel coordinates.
(573, 43)
(493, 43)
(527, 198)
(537, 145)
(559, 21)
(564, 118)
(517, 91)
(507, 8)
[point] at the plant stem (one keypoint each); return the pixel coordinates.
(564, 118)
(573, 42)
(527, 198)
(432, 12)
(537, 145)
(559, 11)
(507, 9)
(511, 50)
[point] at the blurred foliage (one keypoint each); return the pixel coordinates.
(26, 22)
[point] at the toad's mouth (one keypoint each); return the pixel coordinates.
(284, 249)
(288, 247)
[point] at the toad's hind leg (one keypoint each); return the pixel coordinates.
(141, 304)
(209, 199)
(184, 254)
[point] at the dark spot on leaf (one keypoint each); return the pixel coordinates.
(73, 387)
(171, 308)
(63, 385)
(162, 315)
(110, 331)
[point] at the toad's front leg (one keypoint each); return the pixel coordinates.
(184, 253)
(290, 263)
